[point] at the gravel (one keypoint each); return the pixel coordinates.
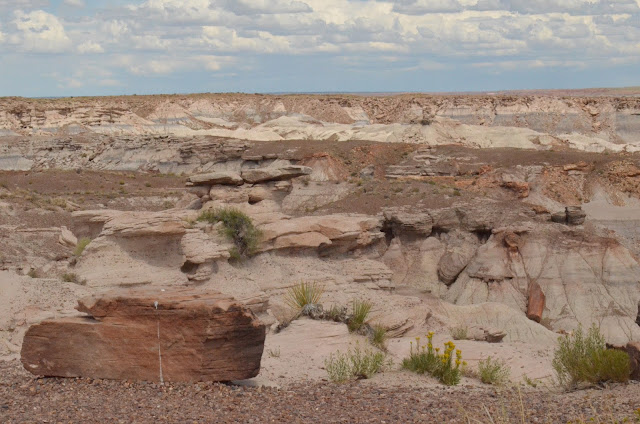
(26, 399)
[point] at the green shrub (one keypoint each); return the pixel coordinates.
(237, 227)
(355, 364)
(493, 371)
(303, 294)
(360, 312)
(582, 358)
(33, 273)
(81, 245)
(426, 359)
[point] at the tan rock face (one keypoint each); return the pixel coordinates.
(213, 178)
(152, 335)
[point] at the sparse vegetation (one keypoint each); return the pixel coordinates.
(460, 332)
(71, 277)
(274, 353)
(82, 244)
(33, 273)
(427, 359)
(237, 227)
(360, 312)
(584, 358)
(355, 364)
(303, 294)
(379, 337)
(493, 371)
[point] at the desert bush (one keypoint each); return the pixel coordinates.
(81, 245)
(33, 273)
(237, 227)
(584, 358)
(427, 359)
(71, 277)
(303, 294)
(460, 333)
(360, 312)
(493, 371)
(355, 364)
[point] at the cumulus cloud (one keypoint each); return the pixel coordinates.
(90, 47)
(170, 37)
(39, 31)
(74, 3)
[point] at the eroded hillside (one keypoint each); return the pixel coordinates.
(514, 217)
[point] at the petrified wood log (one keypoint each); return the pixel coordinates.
(152, 335)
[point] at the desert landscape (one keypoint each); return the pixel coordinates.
(223, 257)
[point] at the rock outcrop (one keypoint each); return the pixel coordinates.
(213, 178)
(152, 335)
(274, 173)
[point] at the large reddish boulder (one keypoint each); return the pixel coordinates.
(152, 335)
(535, 305)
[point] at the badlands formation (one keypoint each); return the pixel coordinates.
(514, 217)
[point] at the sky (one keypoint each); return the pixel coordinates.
(110, 47)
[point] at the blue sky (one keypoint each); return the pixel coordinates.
(100, 47)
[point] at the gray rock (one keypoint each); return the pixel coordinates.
(287, 172)
(213, 178)
(575, 215)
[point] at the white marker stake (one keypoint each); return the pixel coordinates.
(159, 351)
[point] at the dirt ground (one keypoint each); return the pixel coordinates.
(26, 399)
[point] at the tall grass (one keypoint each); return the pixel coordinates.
(303, 294)
(360, 312)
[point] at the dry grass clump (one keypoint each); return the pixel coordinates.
(81, 245)
(361, 309)
(355, 364)
(427, 359)
(238, 228)
(493, 371)
(303, 294)
(584, 358)
(71, 277)
(460, 333)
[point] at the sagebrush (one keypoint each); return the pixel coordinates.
(493, 371)
(237, 227)
(584, 358)
(355, 364)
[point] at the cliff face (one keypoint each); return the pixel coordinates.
(587, 123)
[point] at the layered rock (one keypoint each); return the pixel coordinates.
(213, 178)
(152, 335)
(340, 232)
(274, 173)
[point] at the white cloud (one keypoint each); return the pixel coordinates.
(23, 4)
(74, 3)
(39, 31)
(90, 47)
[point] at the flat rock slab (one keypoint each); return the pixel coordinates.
(151, 335)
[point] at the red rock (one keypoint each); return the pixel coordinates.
(536, 302)
(187, 337)
(520, 188)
